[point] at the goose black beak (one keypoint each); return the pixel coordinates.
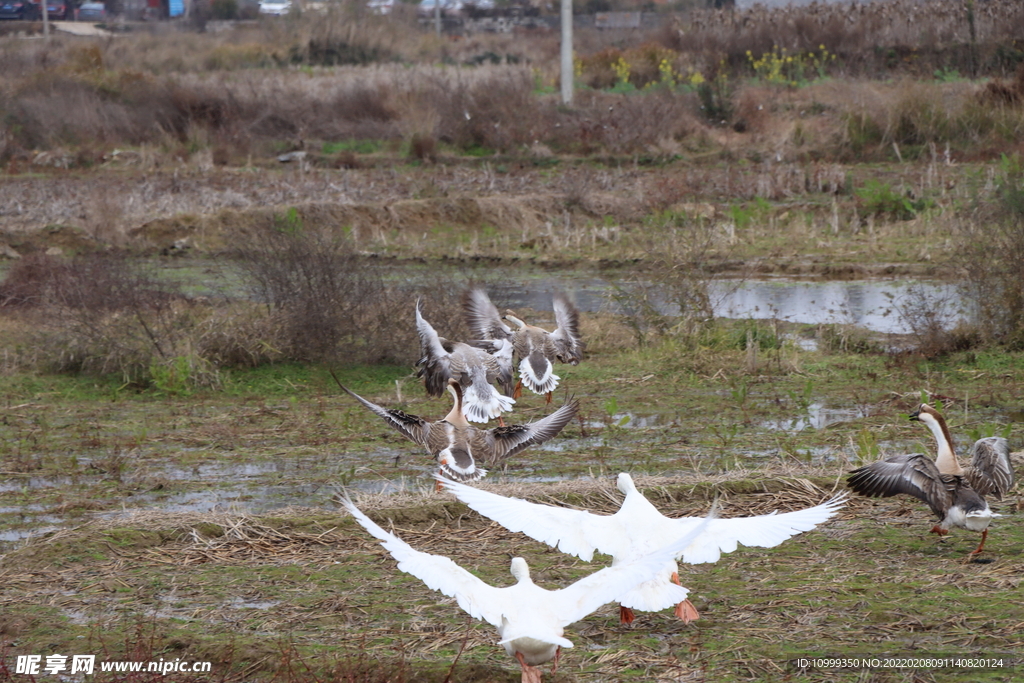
(915, 416)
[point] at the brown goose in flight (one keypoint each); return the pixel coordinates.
(473, 368)
(458, 446)
(953, 493)
(535, 348)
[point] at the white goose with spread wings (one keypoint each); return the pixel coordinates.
(535, 348)
(473, 368)
(530, 620)
(458, 446)
(637, 529)
(955, 495)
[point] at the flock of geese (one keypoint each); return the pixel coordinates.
(645, 545)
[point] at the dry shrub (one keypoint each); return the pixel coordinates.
(26, 282)
(673, 298)
(990, 254)
(328, 303)
(103, 313)
(999, 92)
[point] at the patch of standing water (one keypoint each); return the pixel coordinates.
(871, 304)
(817, 417)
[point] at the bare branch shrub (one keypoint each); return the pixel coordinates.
(329, 303)
(990, 254)
(104, 313)
(673, 298)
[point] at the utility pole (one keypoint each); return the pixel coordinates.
(437, 17)
(567, 70)
(46, 19)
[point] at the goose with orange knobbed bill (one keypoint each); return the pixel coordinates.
(530, 620)
(638, 528)
(458, 446)
(954, 494)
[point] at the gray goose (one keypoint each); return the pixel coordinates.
(953, 493)
(457, 445)
(535, 348)
(473, 368)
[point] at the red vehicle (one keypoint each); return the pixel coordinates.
(59, 10)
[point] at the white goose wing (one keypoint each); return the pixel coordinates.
(476, 598)
(566, 336)
(574, 532)
(608, 585)
(991, 471)
(762, 531)
(483, 317)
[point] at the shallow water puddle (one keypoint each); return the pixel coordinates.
(818, 417)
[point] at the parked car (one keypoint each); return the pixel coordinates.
(21, 10)
(275, 8)
(59, 10)
(381, 6)
(92, 11)
(448, 7)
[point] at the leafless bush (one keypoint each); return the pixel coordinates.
(990, 254)
(327, 302)
(103, 313)
(932, 324)
(673, 298)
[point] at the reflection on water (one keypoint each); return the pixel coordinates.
(875, 305)
(818, 417)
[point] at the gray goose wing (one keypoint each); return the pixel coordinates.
(439, 359)
(913, 473)
(991, 472)
(504, 442)
(482, 316)
(414, 428)
(566, 337)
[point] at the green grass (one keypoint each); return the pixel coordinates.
(872, 583)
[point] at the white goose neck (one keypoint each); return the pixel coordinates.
(945, 460)
(455, 415)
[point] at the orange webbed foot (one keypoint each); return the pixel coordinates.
(626, 615)
(687, 612)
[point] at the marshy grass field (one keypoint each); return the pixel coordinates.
(200, 226)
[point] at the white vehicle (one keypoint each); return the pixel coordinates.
(448, 7)
(381, 6)
(275, 8)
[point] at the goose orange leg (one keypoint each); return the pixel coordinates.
(518, 391)
(554, 663)
(940, 531)
(531, 674)
(984, 535)
(626, 615)
(685, 610)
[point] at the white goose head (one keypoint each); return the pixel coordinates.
(625, 483)
(520, 570)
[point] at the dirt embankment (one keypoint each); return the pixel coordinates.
(569, 214)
